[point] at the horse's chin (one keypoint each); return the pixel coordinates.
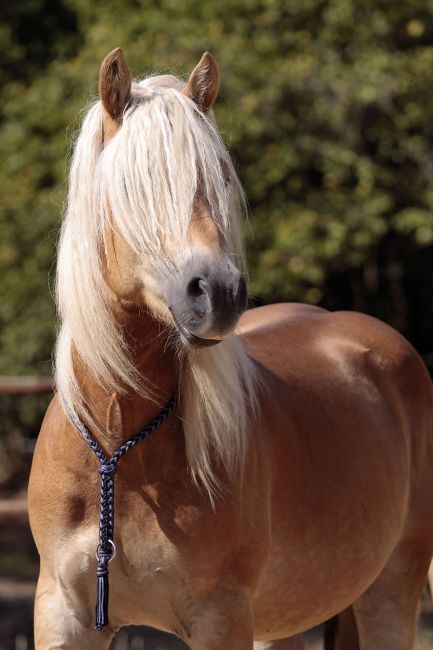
(195, 341)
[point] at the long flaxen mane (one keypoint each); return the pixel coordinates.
(143, 185)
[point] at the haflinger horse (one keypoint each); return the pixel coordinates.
(294, 478)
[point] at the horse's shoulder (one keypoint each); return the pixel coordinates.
(58, 448)
(54, 422)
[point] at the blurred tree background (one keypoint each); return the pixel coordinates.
(326, 106)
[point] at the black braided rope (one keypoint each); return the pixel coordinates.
(107, 470)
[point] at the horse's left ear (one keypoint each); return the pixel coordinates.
(115, 84)
(204, 83)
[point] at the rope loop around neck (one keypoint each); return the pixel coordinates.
(106, 549)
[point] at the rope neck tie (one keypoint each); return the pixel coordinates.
(106, 549)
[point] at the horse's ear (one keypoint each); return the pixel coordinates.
(115, 84)
(204, 83)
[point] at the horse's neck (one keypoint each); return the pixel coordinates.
(121, 415)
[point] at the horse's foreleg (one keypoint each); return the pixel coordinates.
(291, 643)
(61, 626)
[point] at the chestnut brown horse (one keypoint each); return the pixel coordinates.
(294, 478)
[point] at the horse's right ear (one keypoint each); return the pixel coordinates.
(115, 84)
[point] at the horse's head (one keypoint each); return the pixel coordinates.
(169, 195)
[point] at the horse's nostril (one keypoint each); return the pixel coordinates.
(196, 287)
(242, 295)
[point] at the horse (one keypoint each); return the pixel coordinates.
(294, 477)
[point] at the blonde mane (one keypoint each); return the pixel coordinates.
(148, 175)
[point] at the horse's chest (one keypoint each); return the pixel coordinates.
(148, 555)
(168, 553)
(154, 559)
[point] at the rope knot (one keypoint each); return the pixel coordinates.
(107, 468)
(102, 568)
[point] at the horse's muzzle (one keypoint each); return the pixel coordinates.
(207, 302)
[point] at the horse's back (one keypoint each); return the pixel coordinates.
(280, 336)
(275, 314)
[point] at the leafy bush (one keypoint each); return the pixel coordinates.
(326, 106)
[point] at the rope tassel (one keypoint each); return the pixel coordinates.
(106, 549)
(102, 593)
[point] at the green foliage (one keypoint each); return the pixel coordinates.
(326, 105)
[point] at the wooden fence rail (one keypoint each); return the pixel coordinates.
(26, 385)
